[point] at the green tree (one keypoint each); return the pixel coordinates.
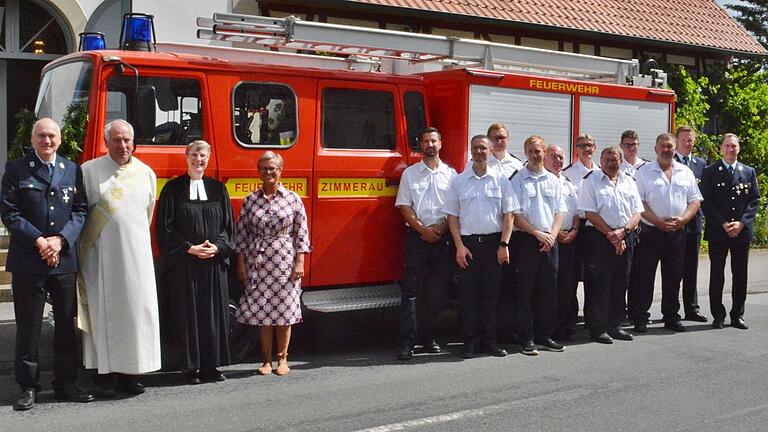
(753, 15)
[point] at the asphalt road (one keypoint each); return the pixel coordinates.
(345, 378)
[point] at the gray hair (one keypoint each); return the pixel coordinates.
(37, 122)
(730, 135)
(270, 155)
(612, 149)
(109, 125)
(197, 145)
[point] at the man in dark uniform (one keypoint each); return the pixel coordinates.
(44, 207)
(686, 139)
(730, 205)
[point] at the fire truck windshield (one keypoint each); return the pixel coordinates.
(64, 88)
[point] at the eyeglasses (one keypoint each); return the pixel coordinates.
(269, 169)
(499, 138)
(585, 145)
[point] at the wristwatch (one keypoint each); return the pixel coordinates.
(627, 231)
(503, 244)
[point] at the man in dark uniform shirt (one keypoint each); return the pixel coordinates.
(730, 205)
(44, 208)
(686, 139)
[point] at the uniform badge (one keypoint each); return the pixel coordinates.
(719, 168)
(31, 164)
(61, 165)
(741, 168)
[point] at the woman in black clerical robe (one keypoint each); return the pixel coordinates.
(195, 233)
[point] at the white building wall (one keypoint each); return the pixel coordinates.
(175, 20)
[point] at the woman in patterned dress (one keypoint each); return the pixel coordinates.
(271, 241)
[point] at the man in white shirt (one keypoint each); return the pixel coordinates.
(479, 206)
(500, 158)
(420, 199)
(612, 205)
(567, 280)
(538, 218)
(671, 199)
(630, 144)
(585, 149)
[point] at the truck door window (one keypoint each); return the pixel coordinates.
(415, 117)
(358, 119)
(162, 110)
(264, 115)
(64, 88)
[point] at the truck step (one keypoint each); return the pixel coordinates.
(349, 299)
(6, 295)
(5, 277)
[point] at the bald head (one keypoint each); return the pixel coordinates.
(553, 161)
(46, 138)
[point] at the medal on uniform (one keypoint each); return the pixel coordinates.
(31, 164)
(66, 195)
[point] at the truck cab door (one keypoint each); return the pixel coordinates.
(360, 154)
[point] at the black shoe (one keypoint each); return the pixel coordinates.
(212, 375)
(602, 338)
(529, 348)
(550, 345)
(26, 400)
(73, 395)
(695, 316)
(718, 323)
(432, 347)
(739, 323)
(621, 334)
(405, 354)
(192, 377)
(675, 326)
(469, 351)
(496, 351)
(105, 389)
(641, 327)
(129, 384)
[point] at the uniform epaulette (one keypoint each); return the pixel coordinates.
(525, 163)
(569, 166)
(630, 175)
(515, 157)
(567, 179)
(643, 164)
(513, 174)
(588, 174)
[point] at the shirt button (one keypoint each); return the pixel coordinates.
(51, 193)
(733, 208)
(51, 224)
(51, 207)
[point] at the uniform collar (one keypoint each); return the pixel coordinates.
(424, 167)
(527, 173)
(52, 162)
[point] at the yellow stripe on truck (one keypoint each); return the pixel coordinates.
(242, 187)
(354, 188)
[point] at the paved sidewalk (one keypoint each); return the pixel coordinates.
(758, 283)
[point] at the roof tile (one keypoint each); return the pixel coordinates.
(696, 22)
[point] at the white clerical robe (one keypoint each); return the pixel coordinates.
(118, 270)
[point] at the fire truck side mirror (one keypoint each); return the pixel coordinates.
(144, 114)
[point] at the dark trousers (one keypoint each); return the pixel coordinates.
(535, 300)
(567, 282)
(635, 280)
(667, 247)
(479, 289)
(29, 292)
(718, 251)
(427, 275)
(606, 276)
(690, 272)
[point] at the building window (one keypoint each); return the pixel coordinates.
(264, 115)
(358, 119)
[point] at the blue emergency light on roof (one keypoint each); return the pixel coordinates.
(91, 41)
(138, 32)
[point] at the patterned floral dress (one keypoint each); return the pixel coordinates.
(270, 232)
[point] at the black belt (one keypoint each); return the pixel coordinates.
(481, 238)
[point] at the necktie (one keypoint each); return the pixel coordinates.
(730, 170)
(50, 169)
(686, 161)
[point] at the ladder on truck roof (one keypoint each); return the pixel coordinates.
(417, 52)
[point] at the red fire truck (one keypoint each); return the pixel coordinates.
(345, 119)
